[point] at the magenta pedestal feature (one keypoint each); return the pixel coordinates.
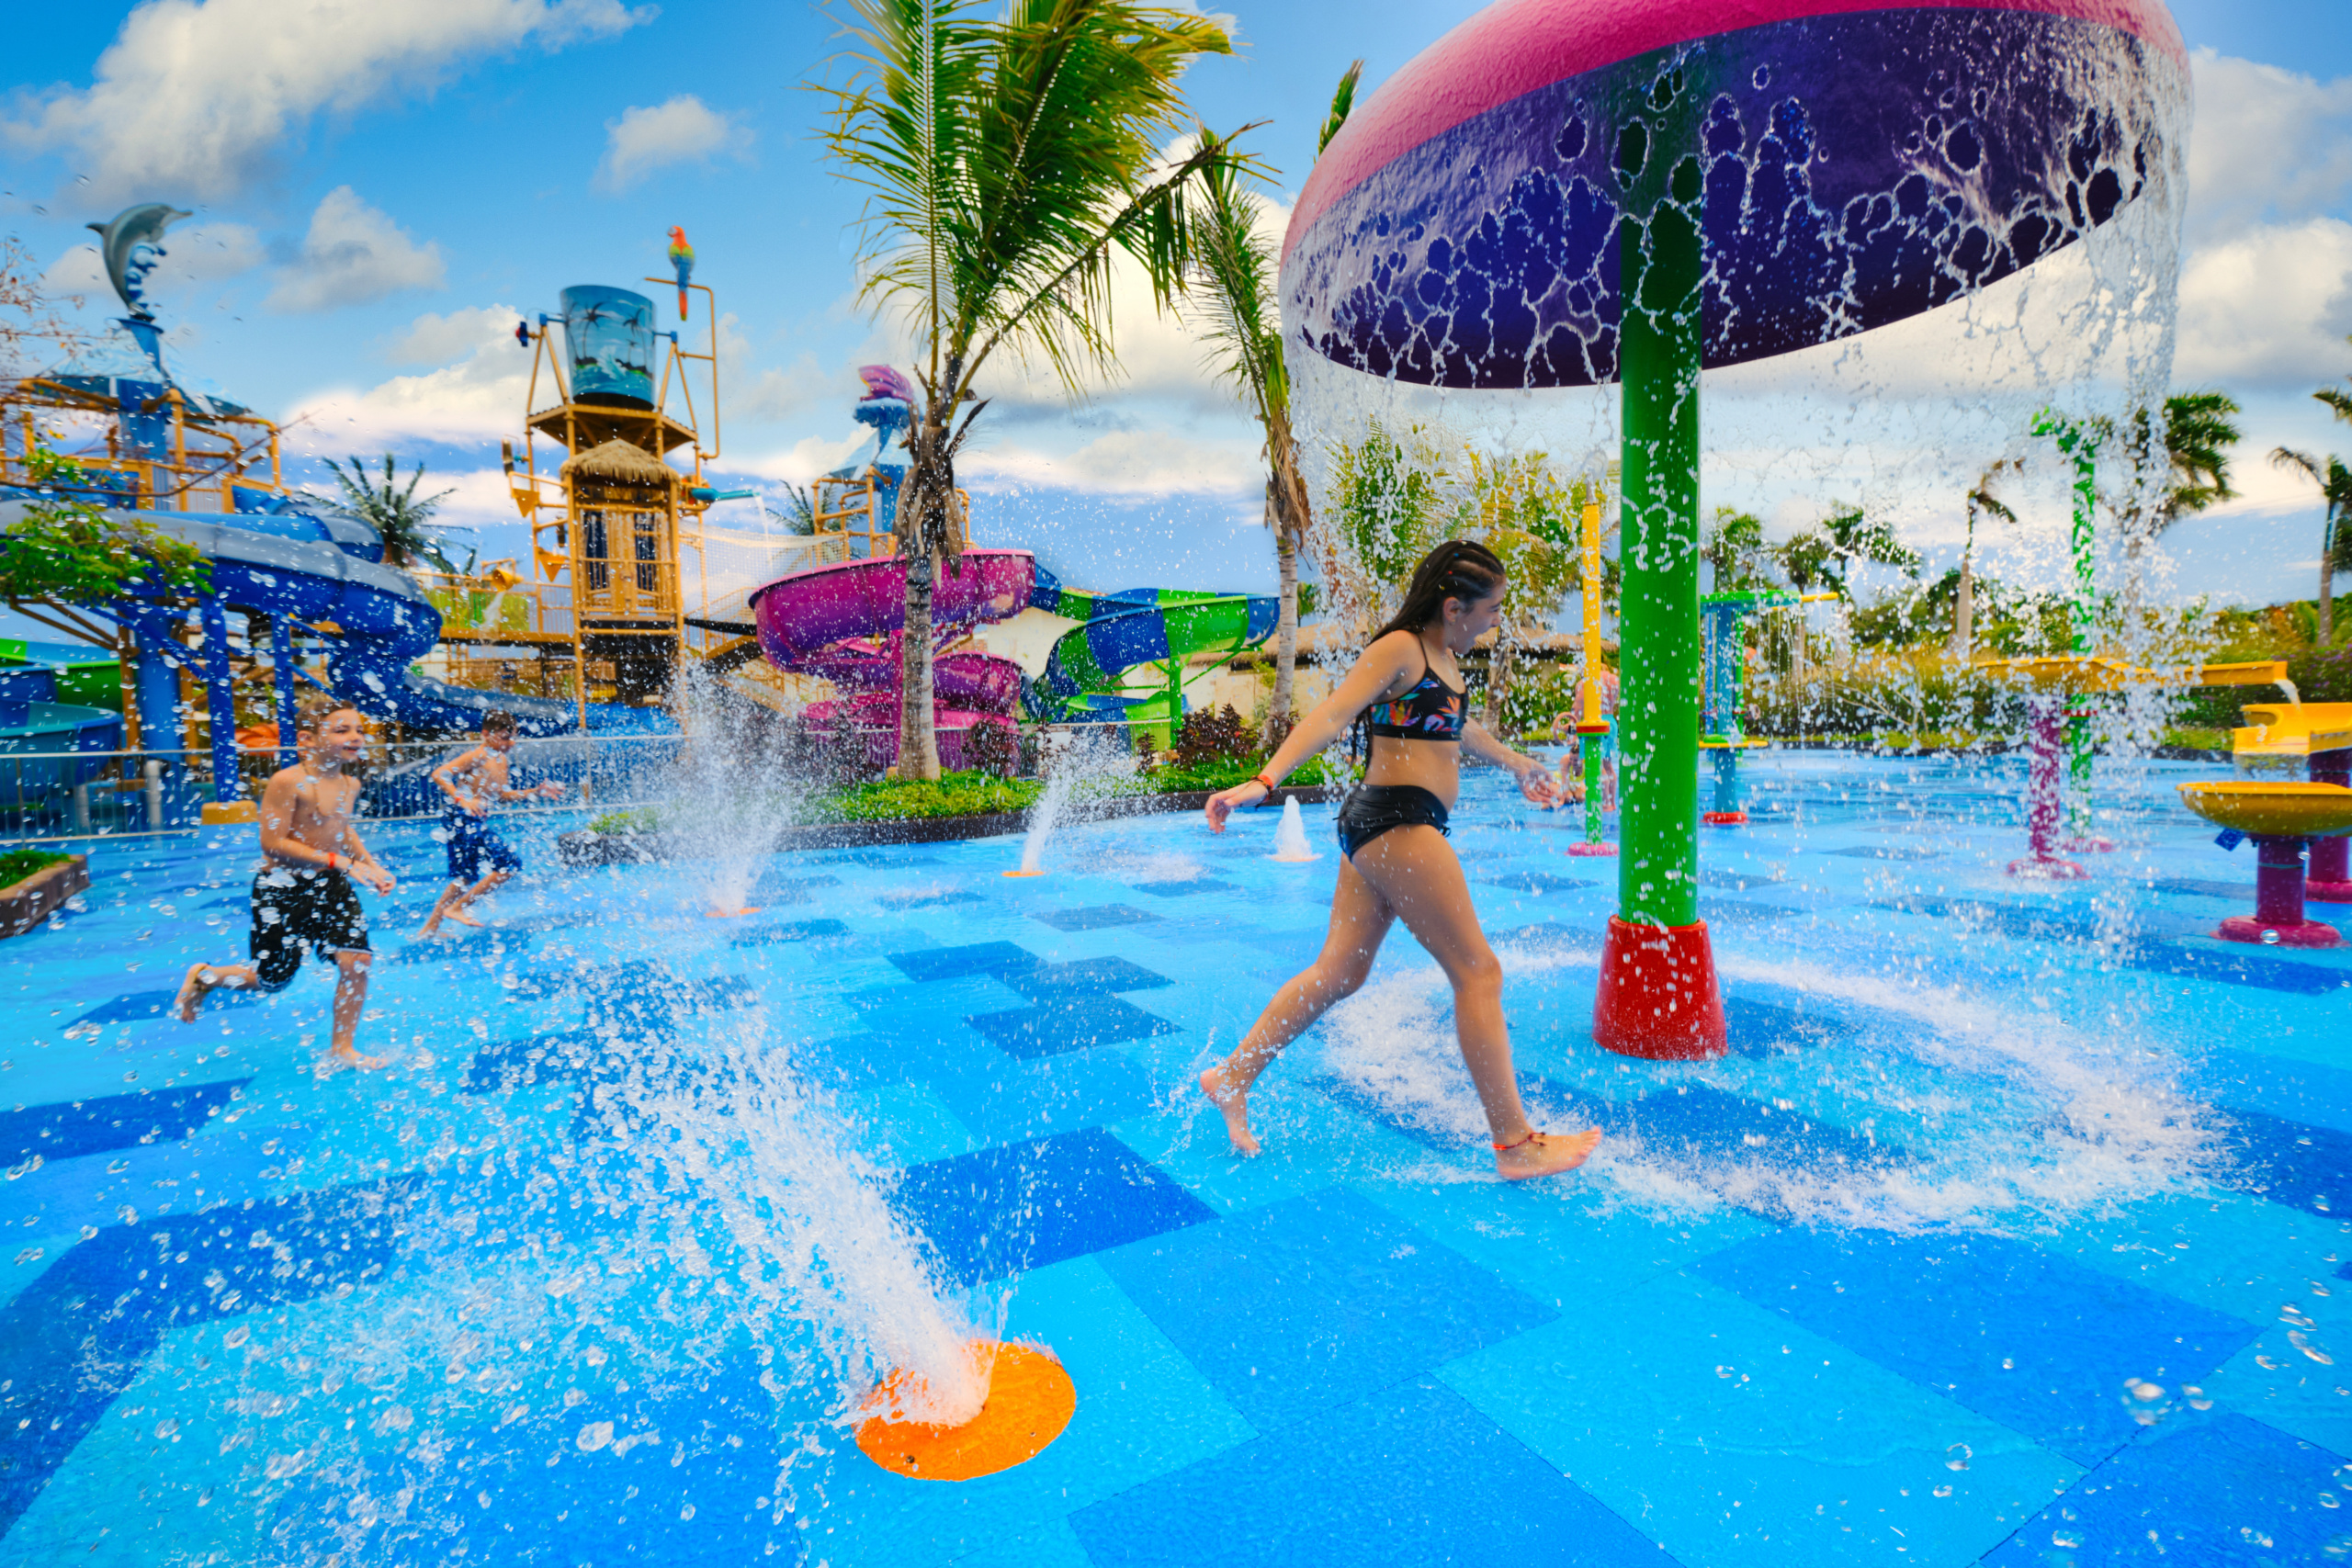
(2278, 899)
(2329, 881)
(2044, 799)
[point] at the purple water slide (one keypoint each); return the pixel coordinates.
(838, 623)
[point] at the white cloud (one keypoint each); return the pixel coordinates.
(354, 254)
(2270, 146)
(683, 130)
(197, 99)
(438, 340)
(1135, 463)
(477, 396)
(2271, 304)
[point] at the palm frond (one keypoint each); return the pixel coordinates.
(1343, 103)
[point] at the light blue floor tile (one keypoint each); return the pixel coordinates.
(1734, 1439)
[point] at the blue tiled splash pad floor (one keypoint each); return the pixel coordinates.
(2007, 1233)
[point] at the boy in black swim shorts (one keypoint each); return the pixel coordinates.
(302, 897)
(479, 859)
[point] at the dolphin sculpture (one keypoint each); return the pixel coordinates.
(131, 245)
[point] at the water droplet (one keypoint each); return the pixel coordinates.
(594, 1435)
(1943, 1490)
(1957, 1456)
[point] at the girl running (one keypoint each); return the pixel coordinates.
(1397, 864)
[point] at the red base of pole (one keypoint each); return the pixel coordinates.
(2303, 933)
(1724, 819)
(1658, 997)
(2318, 892)
(2047, 868)
(2094, 846)
(1584, 849)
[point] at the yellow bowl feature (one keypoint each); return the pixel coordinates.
(2283, 809)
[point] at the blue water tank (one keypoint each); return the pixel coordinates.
(610, 335)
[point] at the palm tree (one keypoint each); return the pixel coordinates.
(1734, 549)
(1233, 287)
(1853, 538)
(2334, 483)
(1343, 103)
(1981, 501)
(400, 517)
(1008, 162)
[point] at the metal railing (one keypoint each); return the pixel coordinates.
(67, 795)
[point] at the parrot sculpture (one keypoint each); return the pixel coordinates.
(681, 257)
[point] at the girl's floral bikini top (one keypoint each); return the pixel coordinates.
(1432, 710)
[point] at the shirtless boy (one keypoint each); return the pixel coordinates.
(479, 859)
(302, 896)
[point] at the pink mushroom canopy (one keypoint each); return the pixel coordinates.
(1861, 161)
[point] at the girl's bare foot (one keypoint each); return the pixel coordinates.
(344, 1057)
(460, 918)
(193, 992)
(1545, 1153)
(1235, 1104)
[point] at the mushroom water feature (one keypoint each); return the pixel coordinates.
(1561, 194)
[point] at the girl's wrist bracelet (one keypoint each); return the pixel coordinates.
(1262, 779)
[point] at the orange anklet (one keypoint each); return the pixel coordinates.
(1506, 1148)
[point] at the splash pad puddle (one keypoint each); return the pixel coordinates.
(1029, 1400)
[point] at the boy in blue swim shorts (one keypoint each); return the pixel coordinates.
(479, 859)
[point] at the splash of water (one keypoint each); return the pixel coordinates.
(731, 808)
(810, 1218)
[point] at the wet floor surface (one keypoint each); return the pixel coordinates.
(2007, 1231)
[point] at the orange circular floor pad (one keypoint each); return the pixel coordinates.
(1030, 1400)
(718, 914)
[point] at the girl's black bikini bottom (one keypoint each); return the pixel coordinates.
(1371, 811)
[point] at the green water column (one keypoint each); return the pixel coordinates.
(1659, 358)
(1658, 996)
(2081, 447)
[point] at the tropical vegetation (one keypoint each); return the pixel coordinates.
(402, 518)
(1011, 159)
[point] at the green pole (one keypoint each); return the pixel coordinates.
(1590, 745)
(2075, 442)
(1657, 714)
(1658, 997)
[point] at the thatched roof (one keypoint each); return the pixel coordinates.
(622, 461)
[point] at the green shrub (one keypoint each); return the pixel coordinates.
(635, 820)
(17, 864)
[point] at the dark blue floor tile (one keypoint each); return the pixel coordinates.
(1025, 1205)
(1758, 1028)
(1094, 918)
(791, 930)
(2249, 967)
(1341, 1092)
(554, 1488)
(929, 900)
(873, 860)
(565, 1055)
(951, 963)
(2027, 922)
(1739, 881)
(774, 891)
(1882, 852)
(1294, 1308)
(136, 1005)
(62, 1130)
(1531, 880)
(1002, 1100)
(77, 1337)
(2223, 1489)
(1408, 1475)
(1089, 976)
(2036, 1342)
(2240, 892)
(1183, 889)
(2294, 1163)
(1550, 936)
(1707, 1128)
(1741, 911)
(1068, 1023)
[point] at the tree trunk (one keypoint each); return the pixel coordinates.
(2327, 585)
(1499, 665)
(923, 528)
(1279, 713)
(1963, 610)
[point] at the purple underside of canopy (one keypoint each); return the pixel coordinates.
(1859, 168)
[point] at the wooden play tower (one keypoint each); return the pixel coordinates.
(610, 520)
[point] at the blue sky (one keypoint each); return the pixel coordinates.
(380, 187)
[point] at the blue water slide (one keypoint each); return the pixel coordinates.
(322, 568)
